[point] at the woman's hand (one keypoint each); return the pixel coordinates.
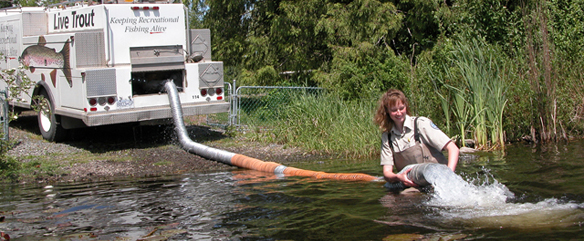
(403, 177)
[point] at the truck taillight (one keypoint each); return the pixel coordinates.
(145, 8)
(211, 91)
(102, 100)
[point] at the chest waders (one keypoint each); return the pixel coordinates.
(417, 157)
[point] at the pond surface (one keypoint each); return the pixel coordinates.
(530, 193)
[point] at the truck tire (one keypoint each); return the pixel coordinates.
(50, 129)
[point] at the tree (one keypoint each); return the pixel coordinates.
(359, 36)
(229, 22)
(5, 3)
(303, 38)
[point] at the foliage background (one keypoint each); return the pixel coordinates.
(358, 49)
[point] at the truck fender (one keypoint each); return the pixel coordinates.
(40, 86)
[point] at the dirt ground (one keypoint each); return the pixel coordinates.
(122, 151)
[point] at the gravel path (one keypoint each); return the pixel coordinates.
(125, 151)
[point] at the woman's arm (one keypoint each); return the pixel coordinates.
(452, 155)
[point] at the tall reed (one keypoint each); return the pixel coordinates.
(478, 92)
(444, 101)
(328, 124)
(462, 111)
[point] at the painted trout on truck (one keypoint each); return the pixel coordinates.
(107, 64)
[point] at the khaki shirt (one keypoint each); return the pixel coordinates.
(430, 135)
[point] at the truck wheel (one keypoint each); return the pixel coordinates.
(50, 129)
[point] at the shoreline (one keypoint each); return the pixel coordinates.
(111, 152)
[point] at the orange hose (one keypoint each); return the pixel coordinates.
(258, 165)
(292, 171)
(252, 163)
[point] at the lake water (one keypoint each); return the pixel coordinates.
(530, 193)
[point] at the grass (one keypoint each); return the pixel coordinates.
(163, 163)
(8, 168)
(39, 167)
(323, 123)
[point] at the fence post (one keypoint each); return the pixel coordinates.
(233, 112)
(4, 118)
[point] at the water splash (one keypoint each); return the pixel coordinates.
(452, 190)
(487, 204)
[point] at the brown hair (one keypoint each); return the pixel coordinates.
(389, 98)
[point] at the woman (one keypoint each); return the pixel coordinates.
(408, 140)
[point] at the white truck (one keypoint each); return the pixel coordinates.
(103, 64)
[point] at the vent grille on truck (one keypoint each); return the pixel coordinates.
(90, 49)
(34, 24)
(201, 43)
(211, 75)
(101, 82)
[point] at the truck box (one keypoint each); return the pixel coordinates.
(107, 64)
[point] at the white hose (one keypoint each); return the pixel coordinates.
(183, 137)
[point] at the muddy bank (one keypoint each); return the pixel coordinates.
(129, 151)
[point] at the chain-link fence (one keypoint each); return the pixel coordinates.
(257, 106)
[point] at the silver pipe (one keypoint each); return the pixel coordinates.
(181, 131)
(421, 174)
(418, 172)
